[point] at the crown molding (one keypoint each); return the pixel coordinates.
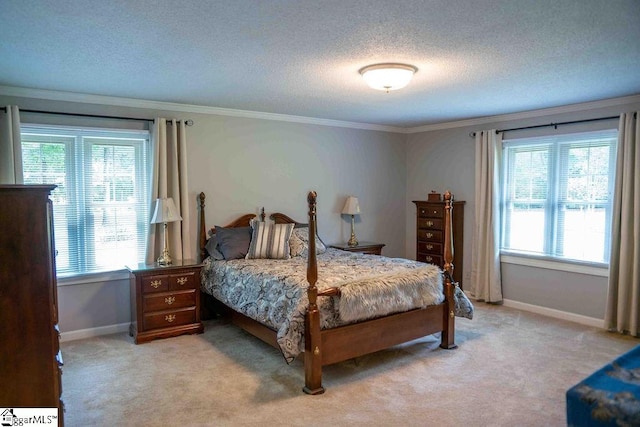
(571, 108)
(184, 108)
(201, 109)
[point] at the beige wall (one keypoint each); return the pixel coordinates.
(445, 159)
(243, 164)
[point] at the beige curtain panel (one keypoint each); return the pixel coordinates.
(10, 147)
(623, 302)
(486, 281)
(169, 179)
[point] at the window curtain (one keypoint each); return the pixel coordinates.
(10, 147)
(486, 282)
(623, 302)
(169, 179)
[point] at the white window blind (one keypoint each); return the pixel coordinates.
(101, 202)
(558, 194)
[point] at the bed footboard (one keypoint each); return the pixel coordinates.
(338, 344)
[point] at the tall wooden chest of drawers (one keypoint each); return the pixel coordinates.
(30, 358)
(165, 301)
(430, 234)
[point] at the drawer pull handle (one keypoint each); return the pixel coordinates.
(170, 300)
(429, 247)
(423, 211)
(156, 284)
(435, 212)
(428, 258)
(429, 223)
(182, 280)
(429, 235)
(170, 317)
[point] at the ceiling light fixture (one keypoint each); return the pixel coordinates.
(388, 76)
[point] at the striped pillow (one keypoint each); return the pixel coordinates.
(270, 241)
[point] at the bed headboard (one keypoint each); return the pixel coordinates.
(280, 218)
(243, 221)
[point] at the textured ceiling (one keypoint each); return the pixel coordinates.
(301, 57)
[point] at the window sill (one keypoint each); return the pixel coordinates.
(100, 277)
(592, 269)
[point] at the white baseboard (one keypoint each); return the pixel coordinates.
(557, 314)
(545, 311)
(94, 332)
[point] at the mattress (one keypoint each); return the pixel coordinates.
(274, 292)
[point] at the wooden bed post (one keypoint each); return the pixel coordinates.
(447, 339)
(312, 338)
(203, 232)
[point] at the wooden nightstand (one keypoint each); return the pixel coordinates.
(165, 301)
(363, 247)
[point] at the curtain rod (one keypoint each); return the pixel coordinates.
(555, 125)
(97, 116)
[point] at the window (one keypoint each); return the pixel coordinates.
(558, 195)
(100, 207)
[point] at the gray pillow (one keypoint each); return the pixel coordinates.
(233, 242)
(212, 248)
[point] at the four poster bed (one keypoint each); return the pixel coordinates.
(360, 305)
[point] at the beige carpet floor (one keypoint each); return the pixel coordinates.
(511, 368)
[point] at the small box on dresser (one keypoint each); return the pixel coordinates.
(165, 300)
(430, 234)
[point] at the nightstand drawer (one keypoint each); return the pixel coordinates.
(431, 259)
(431, 223)
(186, 280)
(164, 319)
(431, 211)
(429, 247)
(168, 301)
(155, 284)
(430, 235)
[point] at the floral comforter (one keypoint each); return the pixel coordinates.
(274, 292)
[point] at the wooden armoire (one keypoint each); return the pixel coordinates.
(30, 358)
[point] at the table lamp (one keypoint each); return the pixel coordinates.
(165, 212)
(351, 207)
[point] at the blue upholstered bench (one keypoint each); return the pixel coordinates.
(608, 397)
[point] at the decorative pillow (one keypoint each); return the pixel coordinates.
(270, 241)
(233, 242)
(299, 242)
(212, 248)
(462, 306)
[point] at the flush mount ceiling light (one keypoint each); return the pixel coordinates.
(389, 76)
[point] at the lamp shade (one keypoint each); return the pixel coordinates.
(388, 76)
(351, 206)
(165, 211)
